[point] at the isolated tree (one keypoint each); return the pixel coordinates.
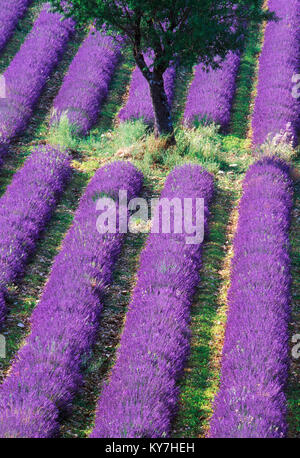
(188, 30)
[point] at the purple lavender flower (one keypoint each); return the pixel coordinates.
(139, 103)
(29, 70)
(24, 215)
(211, 93)
(251, 401)
(10, 13)
(276, 111)
(47, 371)
(86, 84)
(141, 396)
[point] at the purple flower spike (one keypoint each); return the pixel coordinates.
(277, 108)
(24, 215)
(46, 373)
(211, 93)
(141, 396)
(251, 401)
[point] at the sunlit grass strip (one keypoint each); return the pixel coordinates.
(29, 71)
(87, 81)
(251, 401)
(246, 80)
(211, 93)
(10, 13)
(25, 209)
(276, 110)
(141, 396)
(47, 371)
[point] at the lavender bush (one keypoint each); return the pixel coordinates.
(139, 103)
(86, 84)
(276, 111)
(26, 207)
(47, 371)
(29, 70)
(10, 13)
(251, 400)
(211, 93)
(141, 396)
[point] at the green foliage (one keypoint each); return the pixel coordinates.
(186, 28)
(246, 81)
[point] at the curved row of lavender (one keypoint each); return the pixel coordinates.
(251, 401)
(86, 84)
(141, 396)
(10, 13)
(47, 371)
(139, 103)
(276, 111)
(25, 209)
(29, 70)
(211, 93)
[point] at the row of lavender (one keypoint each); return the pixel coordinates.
(26, 208)
(211, 93)
(277, 109)
(251, 401)
(141, 397)
(47, 370)
(10, 14)
(28, 72)
(86, 84)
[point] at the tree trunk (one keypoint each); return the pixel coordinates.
(162, 114)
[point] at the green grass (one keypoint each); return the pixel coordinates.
(242, 106)
(182, 83)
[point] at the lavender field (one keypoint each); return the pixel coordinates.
(148, 288)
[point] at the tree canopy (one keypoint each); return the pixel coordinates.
(191, 30)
